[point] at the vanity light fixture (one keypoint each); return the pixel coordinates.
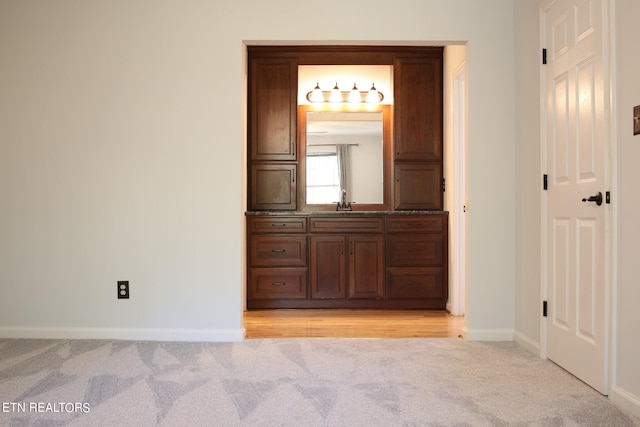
(316, 94)
(336, 95)
(354, 96)
(373, 95)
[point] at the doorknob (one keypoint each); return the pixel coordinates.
(597, 198)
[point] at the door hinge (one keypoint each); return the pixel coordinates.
(544, 309)
(544, 56)
(545, 182)
(443, 185)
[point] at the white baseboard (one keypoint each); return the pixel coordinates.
(626, 401)
(488, 334)
(527, 343)
(134, 334)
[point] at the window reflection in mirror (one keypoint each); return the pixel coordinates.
(344, 157)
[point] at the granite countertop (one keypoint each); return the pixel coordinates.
(346, 213)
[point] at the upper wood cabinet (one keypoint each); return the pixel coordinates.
(418, 132)
(272, 135)
(413, 158)
(273, 105)
(273, 187)
(418, 186)
(418, 108)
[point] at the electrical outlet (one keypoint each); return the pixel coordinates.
(123, 289)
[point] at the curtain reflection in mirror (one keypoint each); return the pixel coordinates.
(344, 161)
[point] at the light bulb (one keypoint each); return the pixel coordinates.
(336, 96)
(372, 96)
(354, 95)
(316, 94)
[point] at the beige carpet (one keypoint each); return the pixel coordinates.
(291, 382)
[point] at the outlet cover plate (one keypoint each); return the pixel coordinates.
(123, 289)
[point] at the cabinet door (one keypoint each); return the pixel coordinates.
(328, 267)
(418, 108)
(273, 105)
(273, 187)
(366, 266)
(418, 186)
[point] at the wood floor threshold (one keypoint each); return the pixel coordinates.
(320, 323)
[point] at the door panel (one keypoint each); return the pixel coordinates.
(577, 116)
(366, 266)
(328, 267)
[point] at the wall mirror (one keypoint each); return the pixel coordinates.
(346, 156)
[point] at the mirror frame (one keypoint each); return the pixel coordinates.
(387, 154)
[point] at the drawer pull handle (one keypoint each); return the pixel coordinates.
(278, 250)
(414, 224)
(414, 283)
(278, 283)
(414, 250)
(278, 225)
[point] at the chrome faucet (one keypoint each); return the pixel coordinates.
(344, 205)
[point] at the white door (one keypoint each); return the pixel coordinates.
(577, 144)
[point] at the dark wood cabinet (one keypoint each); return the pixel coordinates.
(273, 186)
(418, 186)
(301, 256)
(328, 272)
(347, 261)
(366, 267)
(272, 136)
(277, 258)
(347, 265)
(418, 108)
(273, 109)
(417, 259)
(418, 132)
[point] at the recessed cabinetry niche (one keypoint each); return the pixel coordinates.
(391, 254)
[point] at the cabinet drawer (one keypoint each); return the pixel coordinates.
(281, 251)
(277, 283)
(430, 224)
(273, 225)
(403, 283)
(415, 250)
(346, 225)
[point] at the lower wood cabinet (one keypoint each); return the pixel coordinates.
(347, 266)
(417, 259)
(277, 258)
(347, 261)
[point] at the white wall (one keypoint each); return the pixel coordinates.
(626, 202)
(454, 63)
(122, 129)
(528, 175)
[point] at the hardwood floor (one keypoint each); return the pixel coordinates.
(352, 324)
